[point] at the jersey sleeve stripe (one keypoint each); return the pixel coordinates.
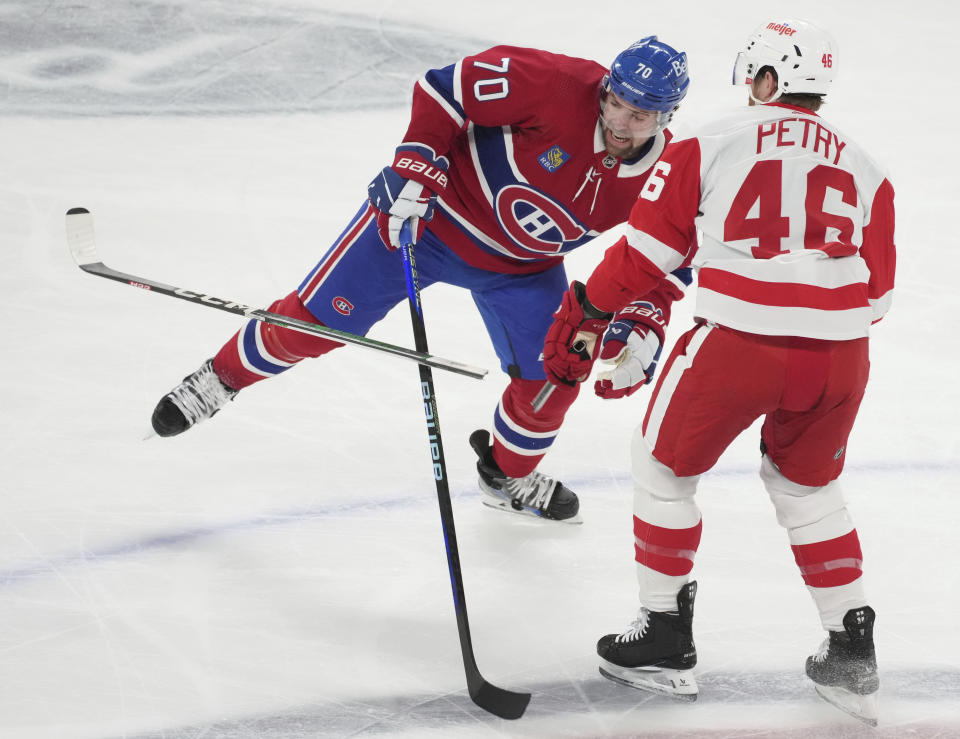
(509, 155)
(661, 256)
(681, 278)
(477, 164)
(430, 84)
(881, 305)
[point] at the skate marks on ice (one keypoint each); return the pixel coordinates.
(777, 704)
(99, 57)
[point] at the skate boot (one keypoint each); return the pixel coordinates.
(199, 396)
(657, 652)
(533, 495)
(844, 670)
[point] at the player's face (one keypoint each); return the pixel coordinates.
(626, 128)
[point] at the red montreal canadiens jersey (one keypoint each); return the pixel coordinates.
(789, 224)
(530, 178)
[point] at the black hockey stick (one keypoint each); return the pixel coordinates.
(489, 697)
(83, 247)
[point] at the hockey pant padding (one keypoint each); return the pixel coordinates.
(261, 350)
(522, 436)
(824, 542)
(666, 525)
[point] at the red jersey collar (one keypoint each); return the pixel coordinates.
(796, 108)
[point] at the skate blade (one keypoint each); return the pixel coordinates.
(678, 684)
(497, 502)
(861, 707)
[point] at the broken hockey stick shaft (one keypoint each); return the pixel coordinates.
(80, 237)
(500, 702)
(582, 346)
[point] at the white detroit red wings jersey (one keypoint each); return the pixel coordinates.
(530, 178)
(789, 224)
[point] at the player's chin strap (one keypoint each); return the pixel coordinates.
(500, 702)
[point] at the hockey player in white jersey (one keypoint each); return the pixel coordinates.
(790, 228)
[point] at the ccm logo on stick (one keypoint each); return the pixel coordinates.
(200, 297)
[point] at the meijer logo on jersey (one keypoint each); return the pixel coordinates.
(782, 28)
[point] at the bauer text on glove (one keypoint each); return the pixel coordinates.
(632, 345)
(407, 190)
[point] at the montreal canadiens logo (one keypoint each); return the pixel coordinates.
(342, 306)
(534, 222)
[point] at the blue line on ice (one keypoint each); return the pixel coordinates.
(163, 541)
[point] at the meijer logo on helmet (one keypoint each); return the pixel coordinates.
(782, 28)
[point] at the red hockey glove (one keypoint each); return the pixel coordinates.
(568, 349)
(632, 344)
(407, 190)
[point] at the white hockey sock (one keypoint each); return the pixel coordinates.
(666, 529)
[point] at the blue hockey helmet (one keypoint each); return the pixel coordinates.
(650, 75)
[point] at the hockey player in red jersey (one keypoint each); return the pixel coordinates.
(513, 157)
(790, 228)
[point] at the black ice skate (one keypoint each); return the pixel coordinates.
(533, 495)
(845, 668)
(657, 652)
(199, 396)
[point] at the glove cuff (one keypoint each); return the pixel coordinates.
(418, 164)
(590, 311)
(643, 313)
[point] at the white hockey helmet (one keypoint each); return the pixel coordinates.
(803, 55)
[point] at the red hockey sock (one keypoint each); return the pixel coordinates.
(832, 563)
(261, 350)
(668, 551)
(522, 436)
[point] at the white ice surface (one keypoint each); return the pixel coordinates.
(280, 570)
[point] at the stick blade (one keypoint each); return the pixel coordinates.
(83, 247)
(503, 703)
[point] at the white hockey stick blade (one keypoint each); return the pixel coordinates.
(861, 707)
(678, 684)
(83, 246)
